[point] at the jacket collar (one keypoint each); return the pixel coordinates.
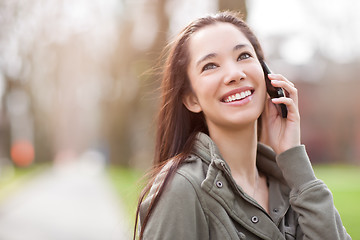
(207, 150)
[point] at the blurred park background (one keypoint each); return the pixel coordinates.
(78, 97)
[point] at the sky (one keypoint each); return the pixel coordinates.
(332, 26)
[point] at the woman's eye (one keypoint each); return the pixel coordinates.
(209, 66)
(244, 56)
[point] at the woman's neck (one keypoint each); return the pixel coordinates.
(238, 148)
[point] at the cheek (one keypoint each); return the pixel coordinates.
(263, 91)
(260, 79)
(202, 86)
(207, 92)
(261, 84)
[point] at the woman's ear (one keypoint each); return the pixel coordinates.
(191, 102)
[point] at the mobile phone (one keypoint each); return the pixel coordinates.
(274, 92)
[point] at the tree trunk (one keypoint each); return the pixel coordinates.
(233, 5)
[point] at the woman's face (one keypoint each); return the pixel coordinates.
(226, 77)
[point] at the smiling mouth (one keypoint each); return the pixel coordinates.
(237, 96)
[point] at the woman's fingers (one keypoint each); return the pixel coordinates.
(288, 86)
(273, 76)
(289, 102)
(291, 96)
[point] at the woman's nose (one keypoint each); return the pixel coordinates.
(233, 73)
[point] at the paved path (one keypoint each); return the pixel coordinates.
(71, 202)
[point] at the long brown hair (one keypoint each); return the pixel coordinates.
(177, 126)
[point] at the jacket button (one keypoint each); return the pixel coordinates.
(219, 184)
(255, 219)
(275, 210)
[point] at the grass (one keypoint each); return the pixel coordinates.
(128, 187)
(343, 182)
(13, 178)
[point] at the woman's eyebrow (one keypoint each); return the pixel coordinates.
(240, 46)
(206, 57)
(213, 55)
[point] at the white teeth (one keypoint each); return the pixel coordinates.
(238, 96)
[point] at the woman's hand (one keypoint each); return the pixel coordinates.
(281, 133)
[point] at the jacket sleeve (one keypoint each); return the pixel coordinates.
(178, 214)
(310, 197)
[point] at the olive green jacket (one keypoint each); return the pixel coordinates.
(202, 200)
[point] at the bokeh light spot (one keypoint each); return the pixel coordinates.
(22, 153)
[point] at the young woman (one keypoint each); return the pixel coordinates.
(227, 165)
